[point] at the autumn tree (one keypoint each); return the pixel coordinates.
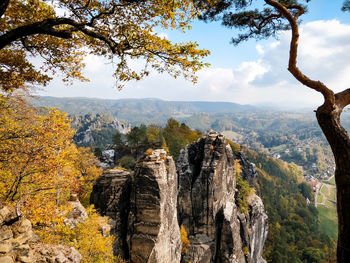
(40, 166)
(60, 33)
(274, 16)
(177, 136)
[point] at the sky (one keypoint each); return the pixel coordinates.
(255, 72)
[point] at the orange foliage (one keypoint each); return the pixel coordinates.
(117, 30)
(39, 164)
(184, 240)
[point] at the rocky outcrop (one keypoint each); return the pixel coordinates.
(147, 208)
(111, 197)
(142, 209)
(88, 124)
(249, 171)
(78, 213)
(153, 233)
(19, 244)
(207, 209)
(107, 159)
(254, 229)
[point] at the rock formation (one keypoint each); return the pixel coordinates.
(143, 210)
(148, 207)
(249, 171)
(111, 197)
(154, 234)
(86, 125)
(206, 206)
(18, 243)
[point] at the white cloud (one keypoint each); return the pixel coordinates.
(94, 63)
(323, 55)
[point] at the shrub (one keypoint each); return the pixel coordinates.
(127, 162)
(184, 240)
(244, 190)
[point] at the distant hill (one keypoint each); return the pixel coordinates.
(136, 111)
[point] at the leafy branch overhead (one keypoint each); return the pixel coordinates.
(62, 32)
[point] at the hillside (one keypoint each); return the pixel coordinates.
(295, 234)
(286, 135)
(137, 111)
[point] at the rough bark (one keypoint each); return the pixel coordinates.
(328, 116)
(339, 141)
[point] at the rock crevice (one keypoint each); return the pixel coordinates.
(206, 206)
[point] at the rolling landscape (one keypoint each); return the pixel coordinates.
(184, 131)
(290, 136)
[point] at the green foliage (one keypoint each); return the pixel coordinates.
(117, 139)
(244, 190)
(178, 136)
(154, 134)
(127, 162)
(307, 191)
(294, 234)
(137, 136)
(98, 152)
(234, 146)
(254, 20)
(173, 137)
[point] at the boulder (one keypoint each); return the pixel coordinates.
(19, 244)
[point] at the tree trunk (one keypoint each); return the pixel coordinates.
(338, 138)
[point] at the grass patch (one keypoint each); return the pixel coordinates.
(324, 190)
(330, 181)
(328, 220)
(332, 194)
(278, 148)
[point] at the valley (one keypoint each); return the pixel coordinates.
(290, 136)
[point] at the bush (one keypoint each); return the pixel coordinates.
(184, 240)
(127, 162)
(244, 190)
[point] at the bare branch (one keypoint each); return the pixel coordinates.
(342, 99)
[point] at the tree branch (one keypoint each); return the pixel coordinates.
(342, 99)
(47, 27)
(3, 6)
(293, 52)
(44, 27)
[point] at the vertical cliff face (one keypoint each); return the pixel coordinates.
(153, 233)
(207, 209)
(142, 209)
(148, 208)
(111, 197)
